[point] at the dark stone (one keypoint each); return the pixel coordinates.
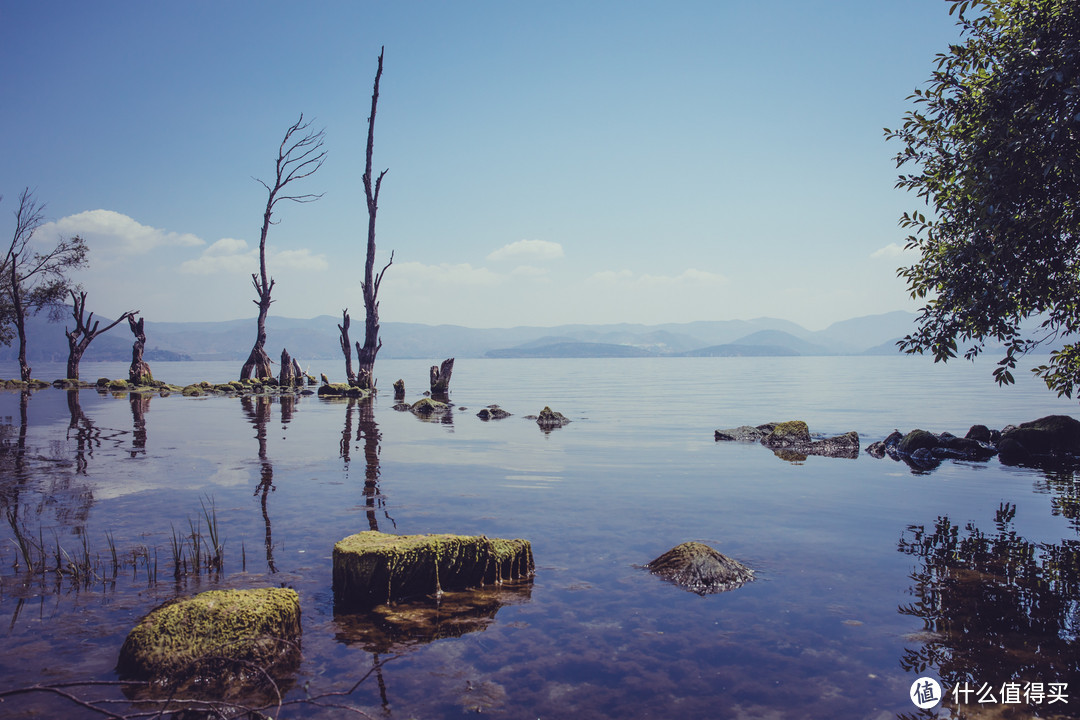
(548, 419)
(493, 412)
(876, 449)
(917, 440)
(1011, 452)
(426, 406)
(893, 439)
(1050, 435)
(980, 433)
(963, 449)
(841, 446)
(698, 568)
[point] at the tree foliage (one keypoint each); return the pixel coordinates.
(31, 280)
(993, 144)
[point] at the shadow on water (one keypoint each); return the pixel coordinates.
(1001, 614)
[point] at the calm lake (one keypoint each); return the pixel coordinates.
(870, 574)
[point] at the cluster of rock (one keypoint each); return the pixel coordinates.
(1048, 439)
(793, 439)
(492, 412)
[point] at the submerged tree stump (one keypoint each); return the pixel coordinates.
(373, 568)
(440, 378)
(399, 389)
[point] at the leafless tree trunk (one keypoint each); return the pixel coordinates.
(346, 347)
(300, 155)
(139, 372)
(31, 281)
(79, 339)
(288, 372)
(372, 344)
(440, 379)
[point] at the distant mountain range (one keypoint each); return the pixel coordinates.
(318, 338)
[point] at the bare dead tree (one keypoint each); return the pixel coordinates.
(139, 372)
(31, 281)
(372, 281)
(300, 155)
(440, 379)
(86, 329)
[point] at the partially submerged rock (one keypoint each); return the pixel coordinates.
(698, 568)
(372, 568)
(549, 419)
(427, 407)
(493, 412)
(792, 440)
(342, 390)
(209, 636)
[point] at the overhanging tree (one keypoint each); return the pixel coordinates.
(994, 141)
(300, 155)
(31, 281)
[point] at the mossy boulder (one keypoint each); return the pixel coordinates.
(493, 412)
(373, 568)
(789, 434)
(342, 390)
(425, 407)
(698, 568)
(214, 634)
(916, 440)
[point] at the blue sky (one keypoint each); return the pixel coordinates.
(548, 163)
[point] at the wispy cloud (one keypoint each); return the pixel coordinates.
(524, 250)
(114, 234)
(892, 250)
(445, 274)
(688, 277)
(233, 256)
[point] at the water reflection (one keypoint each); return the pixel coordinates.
(140, 404)
(367, 430)
(996, 607)
(257, 409)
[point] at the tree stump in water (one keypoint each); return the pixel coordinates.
(287, 377)
(440, 378)
(372, 568)
(399, 390)
(139, 372)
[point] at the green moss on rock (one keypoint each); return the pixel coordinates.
(372, 568)
(214, 632)
(788, 434)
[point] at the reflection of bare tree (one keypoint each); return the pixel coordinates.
(87, 436)
(140, 403)
(13, 456)
(997, 608)
(368, 430)
(258, 411)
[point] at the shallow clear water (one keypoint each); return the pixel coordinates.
(831, 627)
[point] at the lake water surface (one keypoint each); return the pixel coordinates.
(870, 574)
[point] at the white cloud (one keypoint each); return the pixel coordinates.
(114, 234)
(892, 250)
(528, 249)
(528, 271)
(231, 255)
(445, 274)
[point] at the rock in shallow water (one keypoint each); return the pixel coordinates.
(214, 634)
(698, 568)
(371, 568)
